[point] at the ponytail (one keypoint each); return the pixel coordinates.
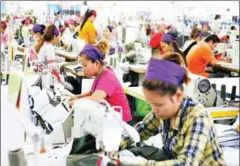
(38, 46)
(87, 14)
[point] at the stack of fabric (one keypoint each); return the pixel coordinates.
(228, 136)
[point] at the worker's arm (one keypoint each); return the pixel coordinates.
(215, 62)
(198, 132)
(80, 96)
(146, 128)
(97, 95)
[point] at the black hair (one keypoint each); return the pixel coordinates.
(59, 12)
(148, 31)
(87, 14)
(232, 27)
(217, 16)
(214, 38)
(43, 28)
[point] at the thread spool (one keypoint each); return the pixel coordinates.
(115, 62)
(214, 87)
(233, 94)
(111, 61)
(16, 158)
(223, 92)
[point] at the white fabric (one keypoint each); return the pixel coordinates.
(128, 158)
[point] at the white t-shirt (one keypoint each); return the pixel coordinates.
(46, 56)
(187, 44)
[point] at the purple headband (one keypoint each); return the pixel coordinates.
(92, 52)
(200, 33)
(110, 28)
(56, 31)
(37, 28)
(167, 38)
(165, 71)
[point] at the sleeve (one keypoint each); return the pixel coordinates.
(91, 34)
(146, 128)
(194, 144)
(208, 56)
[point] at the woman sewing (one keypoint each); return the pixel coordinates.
(114, 45)
(106, 84)
(188, 133)
(169, 44)
(45, 48)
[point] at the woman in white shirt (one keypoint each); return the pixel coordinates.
(114, 45)
(45, 48)
(195, 36)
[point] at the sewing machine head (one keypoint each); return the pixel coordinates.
(220, 48)
(206, 94)
(100, 121)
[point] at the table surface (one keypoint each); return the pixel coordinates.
(138, 68)
(216, 112)
(230, 66)
(67, 55)
(70, 68)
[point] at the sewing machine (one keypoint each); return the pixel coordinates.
(99, 120)
(49, 107)
(234, 53)
(206, 94)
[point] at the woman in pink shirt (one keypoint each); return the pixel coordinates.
(106, 84)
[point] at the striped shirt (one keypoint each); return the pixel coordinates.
(191, 141)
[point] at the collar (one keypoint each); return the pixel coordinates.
(181, 113)
(89, 21)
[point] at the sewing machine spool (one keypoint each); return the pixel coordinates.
(16, 158)
(204, 85)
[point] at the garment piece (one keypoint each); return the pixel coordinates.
(110, 84)
(88, 33)
(191, 141)
(198, 58)
(150, 153)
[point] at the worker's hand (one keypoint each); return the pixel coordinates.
(21, 49)
(73, 98)
(65, 46)
(71, 103)
(228, 60)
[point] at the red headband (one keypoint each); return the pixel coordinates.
(94, 13)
